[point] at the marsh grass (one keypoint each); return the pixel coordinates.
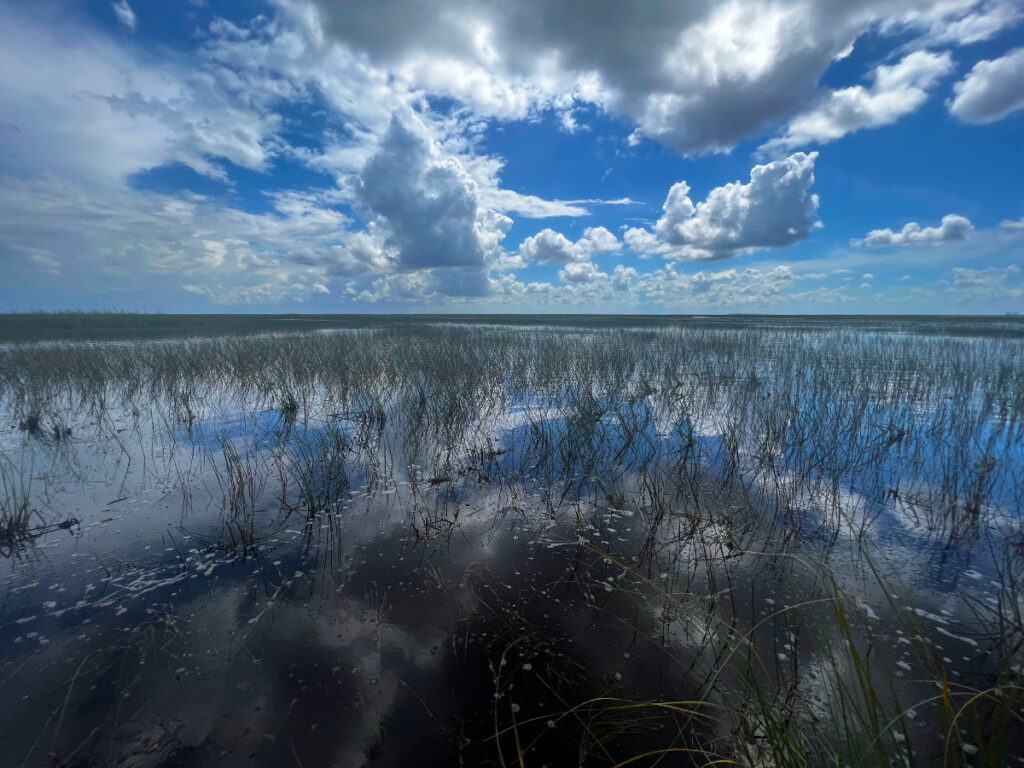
(16, 512)
(691, 461)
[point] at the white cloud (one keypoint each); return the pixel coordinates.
(727, 288)
(583, 285)
(530, 206)
(597, 240)
(580, 272)
(271, 292)
(775, 209)
(550, 247)
(117, 239)
(896, 90)
(1012, 223)
(124, 13)
(643, 242)
(427, 201)
(953, 227)
(623, 277)
(418, 210)
(36, 259)
(959, 22)
(430, 286)
(85, 106)
(533, 207)
(698, 76)
(991, 283)
(992, 89)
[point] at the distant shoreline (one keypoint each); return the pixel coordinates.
(83, 326)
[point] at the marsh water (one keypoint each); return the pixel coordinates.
(514, 541)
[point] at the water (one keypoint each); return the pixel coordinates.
(423, 554)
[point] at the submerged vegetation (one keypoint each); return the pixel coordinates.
(518, 542)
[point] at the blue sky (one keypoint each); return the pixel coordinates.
(692, 157)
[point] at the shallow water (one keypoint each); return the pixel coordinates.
(426, 565)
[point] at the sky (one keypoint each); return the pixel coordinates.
(664, 156)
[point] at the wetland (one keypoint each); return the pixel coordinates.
(511, 541)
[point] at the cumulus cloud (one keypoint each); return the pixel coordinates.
(623, 277)
(550, 247)
(896, 90)
(643, 242)
(597, 240)
(580, 272)
(953, 227)
(992, 89)
(427, 201)
(774, 209)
